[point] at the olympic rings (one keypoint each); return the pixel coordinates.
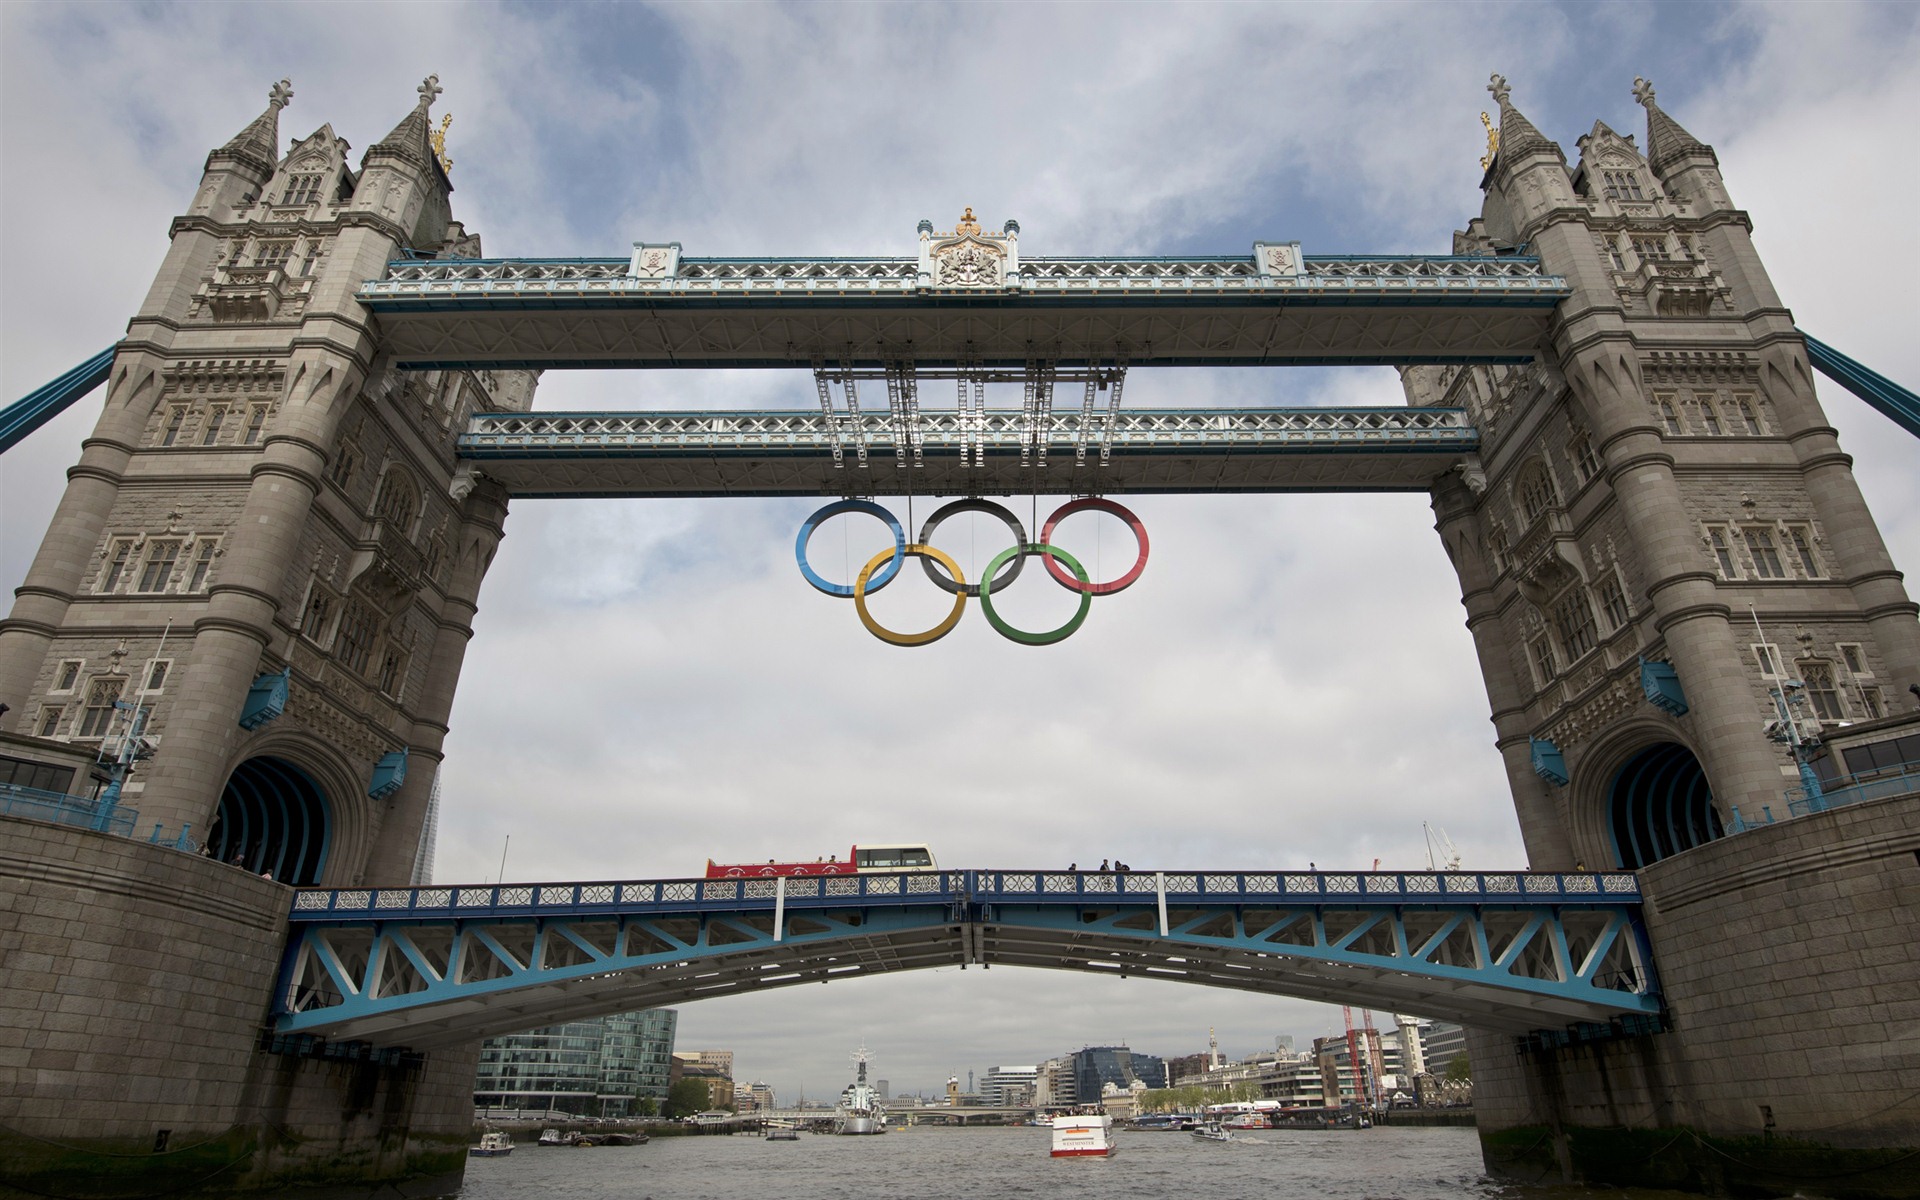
(1095, 504)
(926, 637)
(973, 504)
(946, 574)
(833, 510)
(1020, 635)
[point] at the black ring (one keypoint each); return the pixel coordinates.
(973, 504)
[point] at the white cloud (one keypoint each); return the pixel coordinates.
(651, 682)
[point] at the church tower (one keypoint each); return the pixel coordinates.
(262, 556)
(1662, 532)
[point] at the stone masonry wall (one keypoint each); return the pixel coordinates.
(1791, 968)
(135, 982)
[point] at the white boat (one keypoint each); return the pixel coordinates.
(859, 1110)
(550, 1137)
(493, 1144)
(1213, 1131)
(782, 1131)
(1083, 1135)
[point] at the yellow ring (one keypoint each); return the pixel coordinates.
(910, 639)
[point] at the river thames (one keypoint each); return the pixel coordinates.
(936, 1164)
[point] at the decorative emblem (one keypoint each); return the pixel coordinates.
(281, 94)
(1493, 142)
(968, 257)
(439, 139)
(428, 89)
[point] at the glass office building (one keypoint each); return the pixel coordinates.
(597, 1067)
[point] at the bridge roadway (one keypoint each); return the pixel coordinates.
(1090, 450)
(785, 312)
(429, 966)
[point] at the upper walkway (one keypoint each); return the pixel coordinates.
(427, 966)
(1273, 307)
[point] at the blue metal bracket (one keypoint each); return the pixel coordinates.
(1899, 405)
(1661, 685)
(1548, 763)
(388, 775)
(266, 699)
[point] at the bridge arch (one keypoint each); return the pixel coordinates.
(289, 807)
(1658, 803)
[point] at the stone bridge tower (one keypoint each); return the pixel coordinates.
(1661, 544)
(320, 567)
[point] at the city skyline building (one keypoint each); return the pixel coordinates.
(600, 1066)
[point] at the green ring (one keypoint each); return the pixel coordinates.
(1020, 635)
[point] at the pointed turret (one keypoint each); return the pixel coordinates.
(1667, 142)
(257, 147)
(411, 139)
(1517, 134)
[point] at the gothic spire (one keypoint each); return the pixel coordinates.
(411, 139)
(259, 143)
(1517, 134)
(1667, 142)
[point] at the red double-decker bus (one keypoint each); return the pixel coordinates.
(860, 860)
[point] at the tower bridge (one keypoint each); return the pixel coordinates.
(260, 581)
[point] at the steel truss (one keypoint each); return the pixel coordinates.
(436, 965)
(971, 450)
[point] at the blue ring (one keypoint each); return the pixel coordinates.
(845, 590)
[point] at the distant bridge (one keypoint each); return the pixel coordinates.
(428, 966)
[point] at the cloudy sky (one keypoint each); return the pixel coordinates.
(652, 683)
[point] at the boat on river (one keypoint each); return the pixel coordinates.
(1213, 1131)
(859, 1110)
(1083, 1135)
(493, 1144)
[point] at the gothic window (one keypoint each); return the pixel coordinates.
(1651, 249)
(1573, 616)
(1763, 656)
(1800, 538)
(1856, 662)
(256, 423)
(1766, 555)
(216, 417)
(1613, 600)
(1622, 185)
(1669, 414)
(1870, 701)
(313, 623)
(1614, 256)
(69, 674)
(397, 500)
(202, 563)
(1817, 674)
(344, 461)
(1718, 540)
(393, 671)
(1580, 447)
(1542, 649)
(157, 674)
(358, 630)
(1710, 417)
(302, 189)
(117, 564)
(1497, 548)
(176, 418)
(97, 717)
(162, 553)
(1744, 406)
(50, 715)
(273, 254)
(1536, 493)
(430, 561)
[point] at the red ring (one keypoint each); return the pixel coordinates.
(1096, 504)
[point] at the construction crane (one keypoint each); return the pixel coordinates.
(1442, 854)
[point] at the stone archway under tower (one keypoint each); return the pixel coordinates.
(1653, 804)
(280, 816)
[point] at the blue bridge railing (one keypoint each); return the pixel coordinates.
(62, 809)
(1900, 780)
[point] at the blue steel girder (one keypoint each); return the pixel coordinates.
(432, 966)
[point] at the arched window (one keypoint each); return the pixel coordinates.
(1536, 493)
(398, 501)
